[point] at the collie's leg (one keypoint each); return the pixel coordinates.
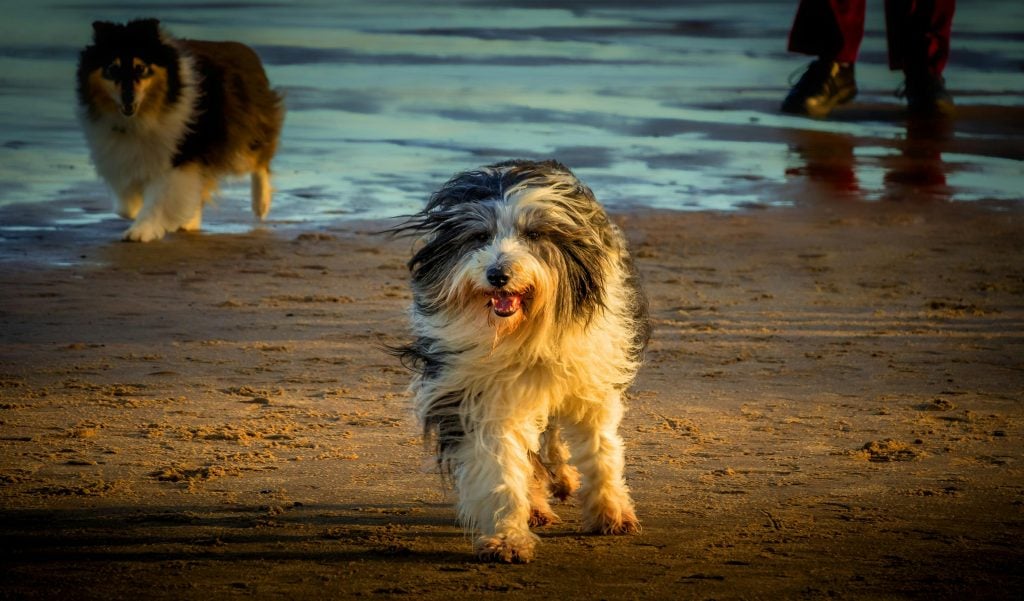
(129, 201)
(565, 479)
(598, 451)
(196, 221)
(492, 477)
(168, 204)
(261, 192)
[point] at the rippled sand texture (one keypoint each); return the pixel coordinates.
(831, 406)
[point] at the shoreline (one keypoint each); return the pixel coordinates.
(36, 235)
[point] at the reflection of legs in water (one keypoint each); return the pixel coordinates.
(918, 171)
(826, 160)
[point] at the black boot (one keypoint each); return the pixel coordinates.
(927, 95)
(825, 85)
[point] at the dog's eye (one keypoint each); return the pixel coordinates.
(110, 71)
(143, 71)
(481, 237)
(532, 235)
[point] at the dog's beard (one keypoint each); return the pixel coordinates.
(507, 312)
(505, 303)
(510, 302)
(496, 313)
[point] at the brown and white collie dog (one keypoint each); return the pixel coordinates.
(165, 118)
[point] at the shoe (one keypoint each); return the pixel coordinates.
(926, 94)
(824, 85)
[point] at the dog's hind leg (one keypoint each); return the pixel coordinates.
(599, 454)
(565, 479)
(540, 485)
(261, 192)
(493, 477)
(168, 204)
(196, 221)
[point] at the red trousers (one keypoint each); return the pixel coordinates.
(917, 31)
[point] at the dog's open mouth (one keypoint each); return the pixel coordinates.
(506, 303)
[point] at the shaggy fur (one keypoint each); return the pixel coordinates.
(529, 325)
(165, 119)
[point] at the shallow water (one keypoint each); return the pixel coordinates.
(653, 104)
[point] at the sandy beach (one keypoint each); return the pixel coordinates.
(830, 408)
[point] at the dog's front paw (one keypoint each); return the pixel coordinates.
(144, 231)
(612, 521)
(506, 548)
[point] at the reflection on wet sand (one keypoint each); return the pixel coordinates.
(826, 159)
(918, 171)
(912, 165)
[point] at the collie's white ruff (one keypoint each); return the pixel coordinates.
(135, 156)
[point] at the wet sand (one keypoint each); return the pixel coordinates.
(660, 103)
(830, 408)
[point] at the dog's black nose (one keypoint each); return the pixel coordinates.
(497, 276)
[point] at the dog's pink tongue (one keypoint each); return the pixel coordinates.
(505, 304)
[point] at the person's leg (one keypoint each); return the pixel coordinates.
(918, 33)
(832, 31)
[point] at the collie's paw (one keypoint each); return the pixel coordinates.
(611, 521)
(144, 231)
(506, 548)
(543, 517)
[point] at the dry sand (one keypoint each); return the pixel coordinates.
(831, 407)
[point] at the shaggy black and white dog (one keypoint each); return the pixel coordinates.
(529, 326)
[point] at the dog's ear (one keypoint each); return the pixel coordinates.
(102, 30)
(148, 28)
